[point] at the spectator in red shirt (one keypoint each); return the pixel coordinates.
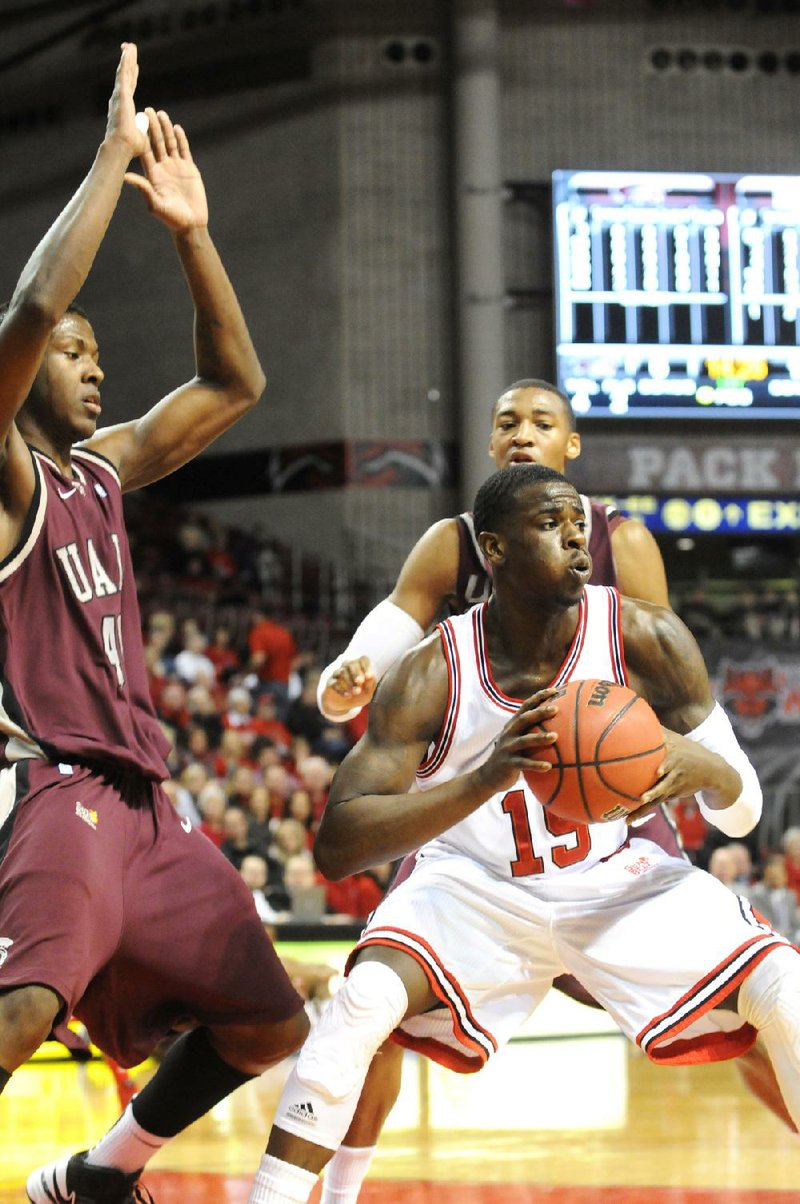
(692, 827)
(265, 722)
(223, 655)
(273, 653)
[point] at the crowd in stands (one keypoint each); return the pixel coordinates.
(252, 758)
(772, 886)
(762, 613)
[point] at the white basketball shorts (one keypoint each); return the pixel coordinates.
(657, 942)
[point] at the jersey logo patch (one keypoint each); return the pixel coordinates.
(99, 490)
(65, 493)
(5, 944)
(186, 824)
(640, 866)
(88, 817)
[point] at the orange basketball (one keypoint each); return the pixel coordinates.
(608, 751)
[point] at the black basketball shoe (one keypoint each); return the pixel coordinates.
(71, 1180)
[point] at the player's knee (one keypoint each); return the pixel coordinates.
(27, 1015)
(355, 1023)
(771, 988)
(254, 1048)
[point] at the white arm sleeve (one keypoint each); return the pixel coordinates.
(383, 635)
(716, 734)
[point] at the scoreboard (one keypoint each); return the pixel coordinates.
(677, 294)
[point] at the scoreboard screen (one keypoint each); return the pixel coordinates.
(677, 294)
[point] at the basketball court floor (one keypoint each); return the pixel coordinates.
(571, 1114)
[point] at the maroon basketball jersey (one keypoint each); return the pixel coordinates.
(72, 672)
(473, 581)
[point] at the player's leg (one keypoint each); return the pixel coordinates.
(199, 953)
(769, 999)
(347, 1170)
(26, 1018)
(58, 912)
(318, 1102)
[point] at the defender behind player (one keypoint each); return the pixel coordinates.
(532, 422)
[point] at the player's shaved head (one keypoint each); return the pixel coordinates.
(497, 497)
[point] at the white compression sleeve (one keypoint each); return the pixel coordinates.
(383, 635)
(716, 734)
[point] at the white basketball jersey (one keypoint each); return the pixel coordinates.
(511, 833)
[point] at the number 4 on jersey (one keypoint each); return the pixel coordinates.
(112, 642)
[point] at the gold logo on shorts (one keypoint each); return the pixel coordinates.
(88, 817)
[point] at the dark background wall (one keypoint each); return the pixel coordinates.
(324, 134)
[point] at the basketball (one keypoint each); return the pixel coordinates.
(609, 748)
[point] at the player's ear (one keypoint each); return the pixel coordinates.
(492, 547)
(573, 448)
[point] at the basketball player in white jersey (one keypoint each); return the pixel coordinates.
(456, 717)
(532, 422)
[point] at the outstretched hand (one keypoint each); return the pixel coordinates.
(352, 685)
(121, 122)
(171, 185)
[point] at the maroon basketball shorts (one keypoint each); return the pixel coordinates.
(134, 918)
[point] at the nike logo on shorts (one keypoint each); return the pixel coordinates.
(186, 824)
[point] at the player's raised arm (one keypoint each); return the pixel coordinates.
(60, 264)
(228, 379)
(426, 579)
(370, 816)
(703, 754)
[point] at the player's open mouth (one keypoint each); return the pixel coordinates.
(581, 565)
(521, 458)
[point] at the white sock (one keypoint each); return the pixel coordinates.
(345, 1173)
(126, 1147)
(279, 1182)
(769, 998)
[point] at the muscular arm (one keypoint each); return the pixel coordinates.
(370, 817)
(395, 625)
(55, 272)
(228, 379)
(637, 559)
(429, 573)
(667, 668)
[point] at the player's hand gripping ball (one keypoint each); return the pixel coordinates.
(610, 745)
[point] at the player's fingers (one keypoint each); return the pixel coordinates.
(526, 765)
(156, 134)
(527, 745)
(141, 184)
(182, 143)
(167, 132)
(665, 788)
(128, 66)
(540, 697)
